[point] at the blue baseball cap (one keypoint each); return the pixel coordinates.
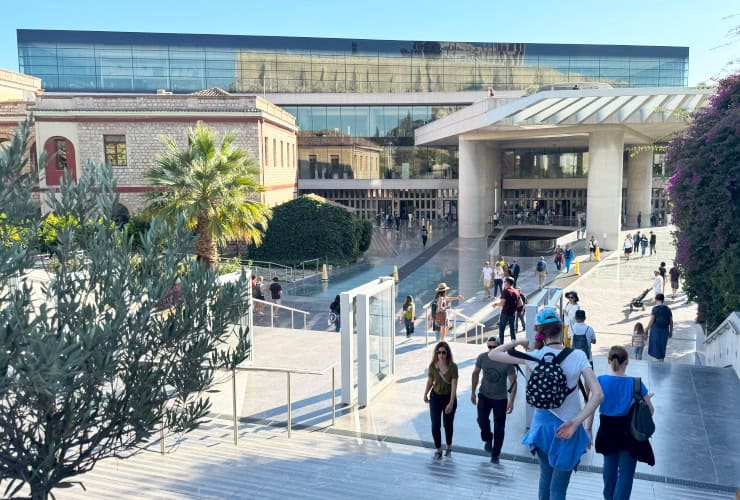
(547, 315)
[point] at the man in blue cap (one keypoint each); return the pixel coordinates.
(541, 271)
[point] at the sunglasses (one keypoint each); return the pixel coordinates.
(442, 352)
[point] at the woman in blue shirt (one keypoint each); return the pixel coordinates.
(621, 451)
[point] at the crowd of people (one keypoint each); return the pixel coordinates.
(565, 393)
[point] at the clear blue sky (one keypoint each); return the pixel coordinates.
(700, 25)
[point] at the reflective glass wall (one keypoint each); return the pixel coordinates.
(125, 62)
(326, 149)
(545, 163)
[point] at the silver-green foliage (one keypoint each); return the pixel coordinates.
(94, 361)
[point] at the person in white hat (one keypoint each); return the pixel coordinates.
(443, 309)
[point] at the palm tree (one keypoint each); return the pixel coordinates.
(213, 186)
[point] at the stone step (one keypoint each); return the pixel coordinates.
(267, 464)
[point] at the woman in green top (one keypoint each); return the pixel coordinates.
(442, 382)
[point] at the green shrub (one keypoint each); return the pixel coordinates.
(229, 266)
(137, 225)
(307, 228)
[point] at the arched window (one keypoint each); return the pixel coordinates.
(60, 156)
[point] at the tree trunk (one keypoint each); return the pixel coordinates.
(39, 491)
(205, 246)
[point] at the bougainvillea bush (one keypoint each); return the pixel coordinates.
(705, 192)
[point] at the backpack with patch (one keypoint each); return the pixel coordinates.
(547, 386)
(642, 425)
(541, 266)
(408, 313)
(662, 316)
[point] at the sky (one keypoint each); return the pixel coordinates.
(703, 26)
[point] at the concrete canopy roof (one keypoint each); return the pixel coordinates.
(646, 115)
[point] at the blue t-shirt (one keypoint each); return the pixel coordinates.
(617, 394)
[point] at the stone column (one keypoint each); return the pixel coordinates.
(604, 198)
(480, 166)
(639, 187)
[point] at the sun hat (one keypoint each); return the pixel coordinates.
(547, 316)
(442, 287)
(572, 294)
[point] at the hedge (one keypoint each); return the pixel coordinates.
(306, 228)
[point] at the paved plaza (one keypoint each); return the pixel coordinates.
(696, 407)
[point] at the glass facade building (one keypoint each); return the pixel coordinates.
(341, 139)
(145, 62)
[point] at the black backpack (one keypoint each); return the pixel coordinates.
(547, 386)
(580, 341)
(662, 316)
(641, 420)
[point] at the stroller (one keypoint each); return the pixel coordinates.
(639, 301)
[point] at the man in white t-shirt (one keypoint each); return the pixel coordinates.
(486, 275)
(581, 335)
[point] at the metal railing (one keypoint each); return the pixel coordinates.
(292, 310)
(288, 372)
(466, 321)
(272, 269)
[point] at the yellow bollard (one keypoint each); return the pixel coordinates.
(576, 269)
(597, 254)
(429, 229)
(324, 274)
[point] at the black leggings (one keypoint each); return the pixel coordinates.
(437, 404)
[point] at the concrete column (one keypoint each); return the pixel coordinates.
(639, 187)
(604, 198)
(480, 166)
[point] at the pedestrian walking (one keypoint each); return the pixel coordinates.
(443, 312)
(408, 315)
(674, 274)
(639, 337)
(592, 246)
(614, 440)
(658, 284)
(636, 243)
(581, 335)
(643, 244)
(660, 329)
(561, 429)
(514, 270)
(509, 302)
(442, 377)
(258, 293)
(276, 293)
(334, 313)
(639, 220)
(628, 244)
(424, 235)
(493, 397)
(558, 259)
(653, 241)
(498, 280)
(569, 256)
(486, 275)
(569, 315)
(520, 311)
(541, 271)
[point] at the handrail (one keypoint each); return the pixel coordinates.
(727, 325)
(477, 324)
(280, 306)
(288, 372)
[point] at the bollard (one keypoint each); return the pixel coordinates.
(576, 269)
(429, 229)
(395, 273)
(597, 254)
(324, 274)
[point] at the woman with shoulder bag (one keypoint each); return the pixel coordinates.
(444, 307)
(442, 382)
(614, 440)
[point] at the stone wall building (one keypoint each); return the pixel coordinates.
(126, 130)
